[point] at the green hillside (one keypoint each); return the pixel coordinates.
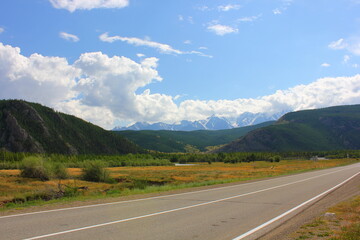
(333, 128)
(31, 127)
(181, 141)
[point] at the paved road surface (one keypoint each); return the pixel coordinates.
(243, 211)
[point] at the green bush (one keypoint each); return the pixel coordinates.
(94, 171)
(59, 171)
(36, 167)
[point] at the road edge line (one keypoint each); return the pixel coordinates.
(252, 231)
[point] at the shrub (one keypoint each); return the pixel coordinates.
(35, 167)
(94, 171)
(60, 171)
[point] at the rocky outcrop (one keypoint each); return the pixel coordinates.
(16, 138)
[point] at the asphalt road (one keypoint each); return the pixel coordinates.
(243, 211)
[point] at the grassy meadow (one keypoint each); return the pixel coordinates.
(19, 191)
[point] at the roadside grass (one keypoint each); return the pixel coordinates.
(19, 192)
(342, 222)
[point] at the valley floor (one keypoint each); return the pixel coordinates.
(16, 191)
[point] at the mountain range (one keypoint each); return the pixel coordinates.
(211, 123)
(31, 127)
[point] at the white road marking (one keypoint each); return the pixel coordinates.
(252, 231)
(158, 197)
(182, 208)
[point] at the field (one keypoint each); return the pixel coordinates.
(16, 191)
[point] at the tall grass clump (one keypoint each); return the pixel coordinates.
(94, 171)
(36, 167)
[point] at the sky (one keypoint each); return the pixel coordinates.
(116, 62)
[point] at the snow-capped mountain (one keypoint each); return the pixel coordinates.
(211, 123)
(247, 118)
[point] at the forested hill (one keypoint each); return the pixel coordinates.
(185, 141)
(31, 127)
(333, 128)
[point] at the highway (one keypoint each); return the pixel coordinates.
(241, 211)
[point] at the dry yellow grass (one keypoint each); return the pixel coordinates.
(12, 185)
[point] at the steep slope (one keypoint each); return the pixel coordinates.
(179, 141)
(30, 127)
(332, 128)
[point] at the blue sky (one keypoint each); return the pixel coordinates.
(114, 62)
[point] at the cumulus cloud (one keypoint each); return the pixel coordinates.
(161, 47)
(73, 5)
(94, 87)
(221, 30)
(35, 78)
(321, 93)
(111, 82)
(102, 89)
(225, 8)
(69, 37)
(325, 65)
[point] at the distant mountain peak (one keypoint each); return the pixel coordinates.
(213, 122)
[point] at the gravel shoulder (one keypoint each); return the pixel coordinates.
(345, 192)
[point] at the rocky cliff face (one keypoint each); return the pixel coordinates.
(16, 138)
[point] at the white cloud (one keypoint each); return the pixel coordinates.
(102, 89)
(204, 8)
(161, 47)
(187, 42)
(355, 65)
(96, 87)
(48, 80)
(69, 37)
(140, 55)
(1, 30)
(189, 19)
(73, 5)
(346, 58)
(285, 4)
(111, 82)
(325, 65)
(249, 19)
(339, 44)
(277, 11)
(352, 45)
(225, 8)
(222, 30)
